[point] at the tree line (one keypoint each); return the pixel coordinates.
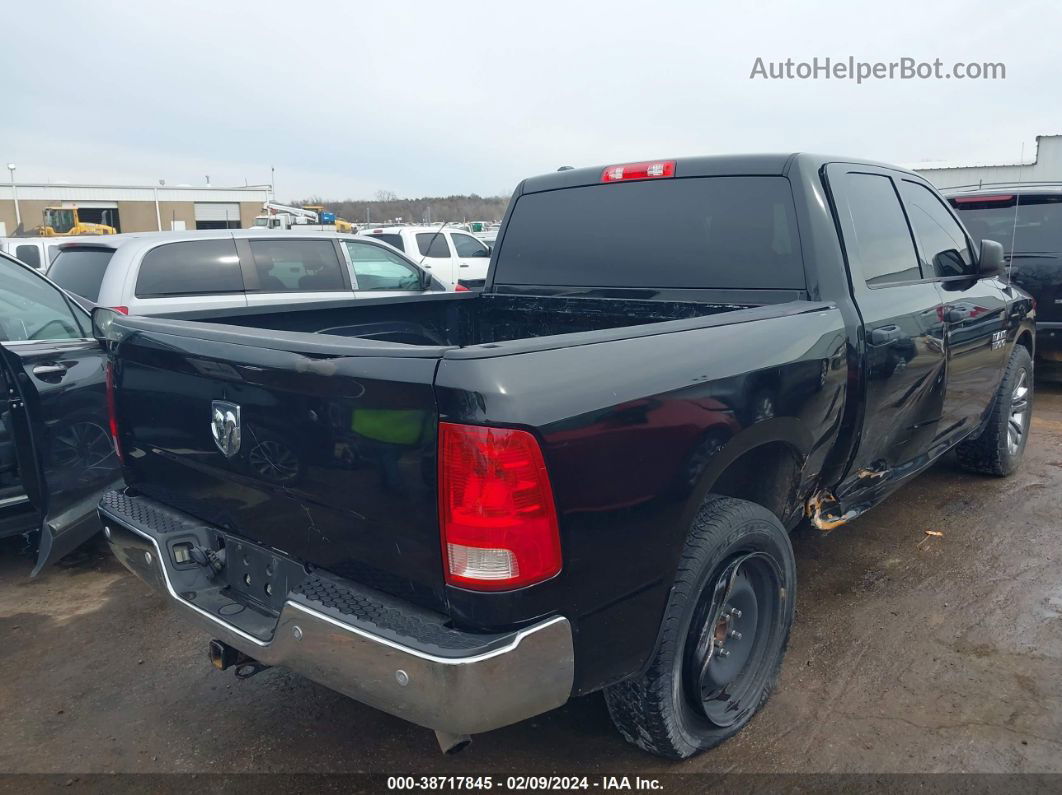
(387, 207)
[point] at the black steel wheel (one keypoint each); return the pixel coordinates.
(729, 635)
(723, 635)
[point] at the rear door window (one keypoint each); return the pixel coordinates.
(941, 238)
(80, 270)
(702, 232)
(880, 243)
(29, 254)
(290, 266)
(193, 267)
(376, 268)
(432, 244)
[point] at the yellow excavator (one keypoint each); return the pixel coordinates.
(62, 221)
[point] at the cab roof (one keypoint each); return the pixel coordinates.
(778, 164)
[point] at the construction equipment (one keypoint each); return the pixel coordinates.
(283, 216)
(62, 221)
(330, 218)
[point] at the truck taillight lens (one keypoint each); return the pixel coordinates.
(496, 510)
(653, 169)
(112, 409)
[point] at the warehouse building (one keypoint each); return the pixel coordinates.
(132, 208)
(1045, 165)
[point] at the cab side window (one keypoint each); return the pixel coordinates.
(468, 246)
(882, 248)
(376, 268)
(31, 255)
(33, 309)
(432, 244)
(944, 244)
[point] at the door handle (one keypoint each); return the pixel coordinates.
(885, 334)
(464, 264)
(49, 370)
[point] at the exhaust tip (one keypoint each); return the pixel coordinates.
(451, 744)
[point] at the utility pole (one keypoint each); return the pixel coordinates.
(14, 195)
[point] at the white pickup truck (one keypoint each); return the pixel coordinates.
(449, 254)
(37, 252)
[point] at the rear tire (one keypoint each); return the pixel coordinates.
(692, 696)
(999, 448)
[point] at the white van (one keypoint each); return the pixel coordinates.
(448, 253)
(37, 252)
(159, 273)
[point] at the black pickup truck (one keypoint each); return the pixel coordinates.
(466, 508)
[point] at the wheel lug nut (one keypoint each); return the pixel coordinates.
(734, 634)
(722, 652)
(735, 612)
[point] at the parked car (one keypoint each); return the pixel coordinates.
(37, 252)
(56, 450)
(1027, 220)
(452, 255)
(584, 477)
(165, 272)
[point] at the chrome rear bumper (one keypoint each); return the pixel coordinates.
(519, 675)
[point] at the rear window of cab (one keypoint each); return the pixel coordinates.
(694, 232)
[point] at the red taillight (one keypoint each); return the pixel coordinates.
(653, 169)
(461, 289)
(112, 408)
(999, 197)
(121, 310)
(496, 511)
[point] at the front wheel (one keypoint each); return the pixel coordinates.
(999, 448)
(723, 636)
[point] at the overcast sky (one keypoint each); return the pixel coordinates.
(461, 97)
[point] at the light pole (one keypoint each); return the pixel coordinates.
(14, 195)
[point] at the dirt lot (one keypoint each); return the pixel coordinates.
(910, 654)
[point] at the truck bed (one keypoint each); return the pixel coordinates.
(339, 407)
(456, 320)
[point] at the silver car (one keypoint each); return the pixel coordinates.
(167, 272)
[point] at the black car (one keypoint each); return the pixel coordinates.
(1027, 220)
(56, 450)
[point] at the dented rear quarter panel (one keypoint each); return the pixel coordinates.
(634, 432)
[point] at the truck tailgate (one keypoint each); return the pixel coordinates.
(328, 458)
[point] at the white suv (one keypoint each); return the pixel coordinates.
(166, 272)
(452, 255)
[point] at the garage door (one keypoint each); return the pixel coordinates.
(217, 215)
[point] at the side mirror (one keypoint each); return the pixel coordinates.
(990, 260)
(103, 318)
